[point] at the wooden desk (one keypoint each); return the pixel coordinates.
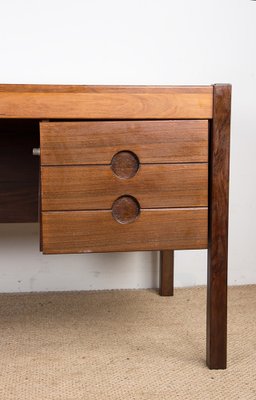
(123, 169)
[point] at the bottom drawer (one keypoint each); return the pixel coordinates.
(97, 231)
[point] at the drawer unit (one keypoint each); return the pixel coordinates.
(124, 185)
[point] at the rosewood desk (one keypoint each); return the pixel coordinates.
(123, 168)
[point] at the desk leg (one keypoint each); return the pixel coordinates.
(218, 229)
(166, 272)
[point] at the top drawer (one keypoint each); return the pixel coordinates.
(174, 141)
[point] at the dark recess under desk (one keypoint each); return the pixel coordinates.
(19, 170)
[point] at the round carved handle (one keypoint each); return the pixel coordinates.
(125, 164)
(125, 209)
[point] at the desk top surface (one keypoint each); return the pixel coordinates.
(105, 102)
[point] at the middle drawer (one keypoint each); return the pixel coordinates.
(97, 187)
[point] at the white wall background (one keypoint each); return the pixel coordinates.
(135, 42)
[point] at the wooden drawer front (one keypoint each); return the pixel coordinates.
(96, 187)
(98, 231)
(73, 143)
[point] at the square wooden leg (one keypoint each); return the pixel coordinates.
(218, 230)
(166, 272)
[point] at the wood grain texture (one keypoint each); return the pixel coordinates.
(37, 88)
(96, 187)
(97, 231)
(69, 143)
(166, 272)
(19, 171)
(218, 229)
(105, 102)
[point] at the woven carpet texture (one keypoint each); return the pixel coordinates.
(123, 344)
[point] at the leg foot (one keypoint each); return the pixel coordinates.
(166, 272)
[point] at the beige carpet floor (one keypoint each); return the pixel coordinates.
(127, 344)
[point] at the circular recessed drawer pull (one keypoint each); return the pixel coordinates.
(125, 164)
(125, 209)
